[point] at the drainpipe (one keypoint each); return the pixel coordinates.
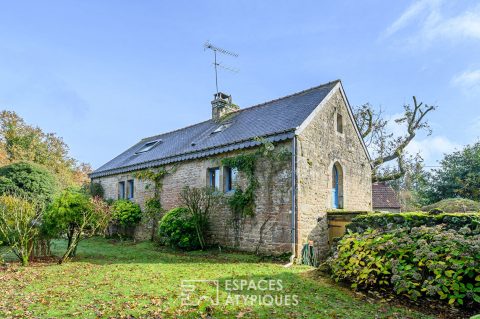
(294, 198)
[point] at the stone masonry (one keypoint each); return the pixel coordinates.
(319, 147)
(268, 232)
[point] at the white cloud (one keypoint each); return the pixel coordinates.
(468, 81)
(432, 148)
(432, 21)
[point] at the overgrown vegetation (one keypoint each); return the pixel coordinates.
(430, 262)
(177, 229)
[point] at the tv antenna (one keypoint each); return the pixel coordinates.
(216, 64)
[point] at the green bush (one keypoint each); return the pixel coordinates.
(454, 205)
(28, 180)
(433, 262)
(126, 213)
(177, 229)
(96, 190)
(454, 221)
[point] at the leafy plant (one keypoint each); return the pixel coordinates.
(454, 205)
(96, 190)
(19, 225)
(177, 229)
(432, 262)
(126, 213)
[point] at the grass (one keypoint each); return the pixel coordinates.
(125, 280)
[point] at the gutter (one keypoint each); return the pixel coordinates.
(293, 228)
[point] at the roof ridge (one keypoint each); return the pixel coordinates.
(290, 95)
(248, 108)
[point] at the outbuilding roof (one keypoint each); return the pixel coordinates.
(275, 120)
(383, 196)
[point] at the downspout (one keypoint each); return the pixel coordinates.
(293, 229)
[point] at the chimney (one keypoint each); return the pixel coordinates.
(222, 105)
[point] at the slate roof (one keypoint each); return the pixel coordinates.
(384, 196)
(275, 120)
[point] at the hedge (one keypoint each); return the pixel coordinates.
(387, 221)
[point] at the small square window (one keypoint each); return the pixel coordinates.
(130, 189)
(339, 123)
(231, 175)
(214, 178)
(148, 146)
(121, 190)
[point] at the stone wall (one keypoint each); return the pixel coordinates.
(268, 232)
(319, 147)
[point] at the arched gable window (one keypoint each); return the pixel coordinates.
(339, 123)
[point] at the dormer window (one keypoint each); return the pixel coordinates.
(148, 146)
(339, 123)
(221, 128)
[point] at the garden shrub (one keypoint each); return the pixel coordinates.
(433, 262)
(454, 221)
(126, 213)
(28, 180)
(96, 190)
(454, 205)
(177, 229)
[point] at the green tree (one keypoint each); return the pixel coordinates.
(458, 176)
(28, 180)
(22, 142)
(78, 216)
(19, 225)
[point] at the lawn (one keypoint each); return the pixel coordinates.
(126, 280)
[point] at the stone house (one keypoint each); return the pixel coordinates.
(328, 167)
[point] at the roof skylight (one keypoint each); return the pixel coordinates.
(148, 146)
(221, 128)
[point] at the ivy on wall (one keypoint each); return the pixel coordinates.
(242, 202)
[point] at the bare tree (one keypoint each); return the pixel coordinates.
(384, 145)
(200, 203)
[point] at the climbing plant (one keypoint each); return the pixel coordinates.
(153, 206)
(242, 202)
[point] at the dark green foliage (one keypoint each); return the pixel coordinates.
(459, 175)
(177, 229)
(454, 221)
(28, 180)
(126, 213)
(430, 262)
(454, 205)
(96, 190)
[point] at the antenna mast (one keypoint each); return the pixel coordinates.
(216, 64)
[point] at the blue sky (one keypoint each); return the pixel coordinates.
(103, 74)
